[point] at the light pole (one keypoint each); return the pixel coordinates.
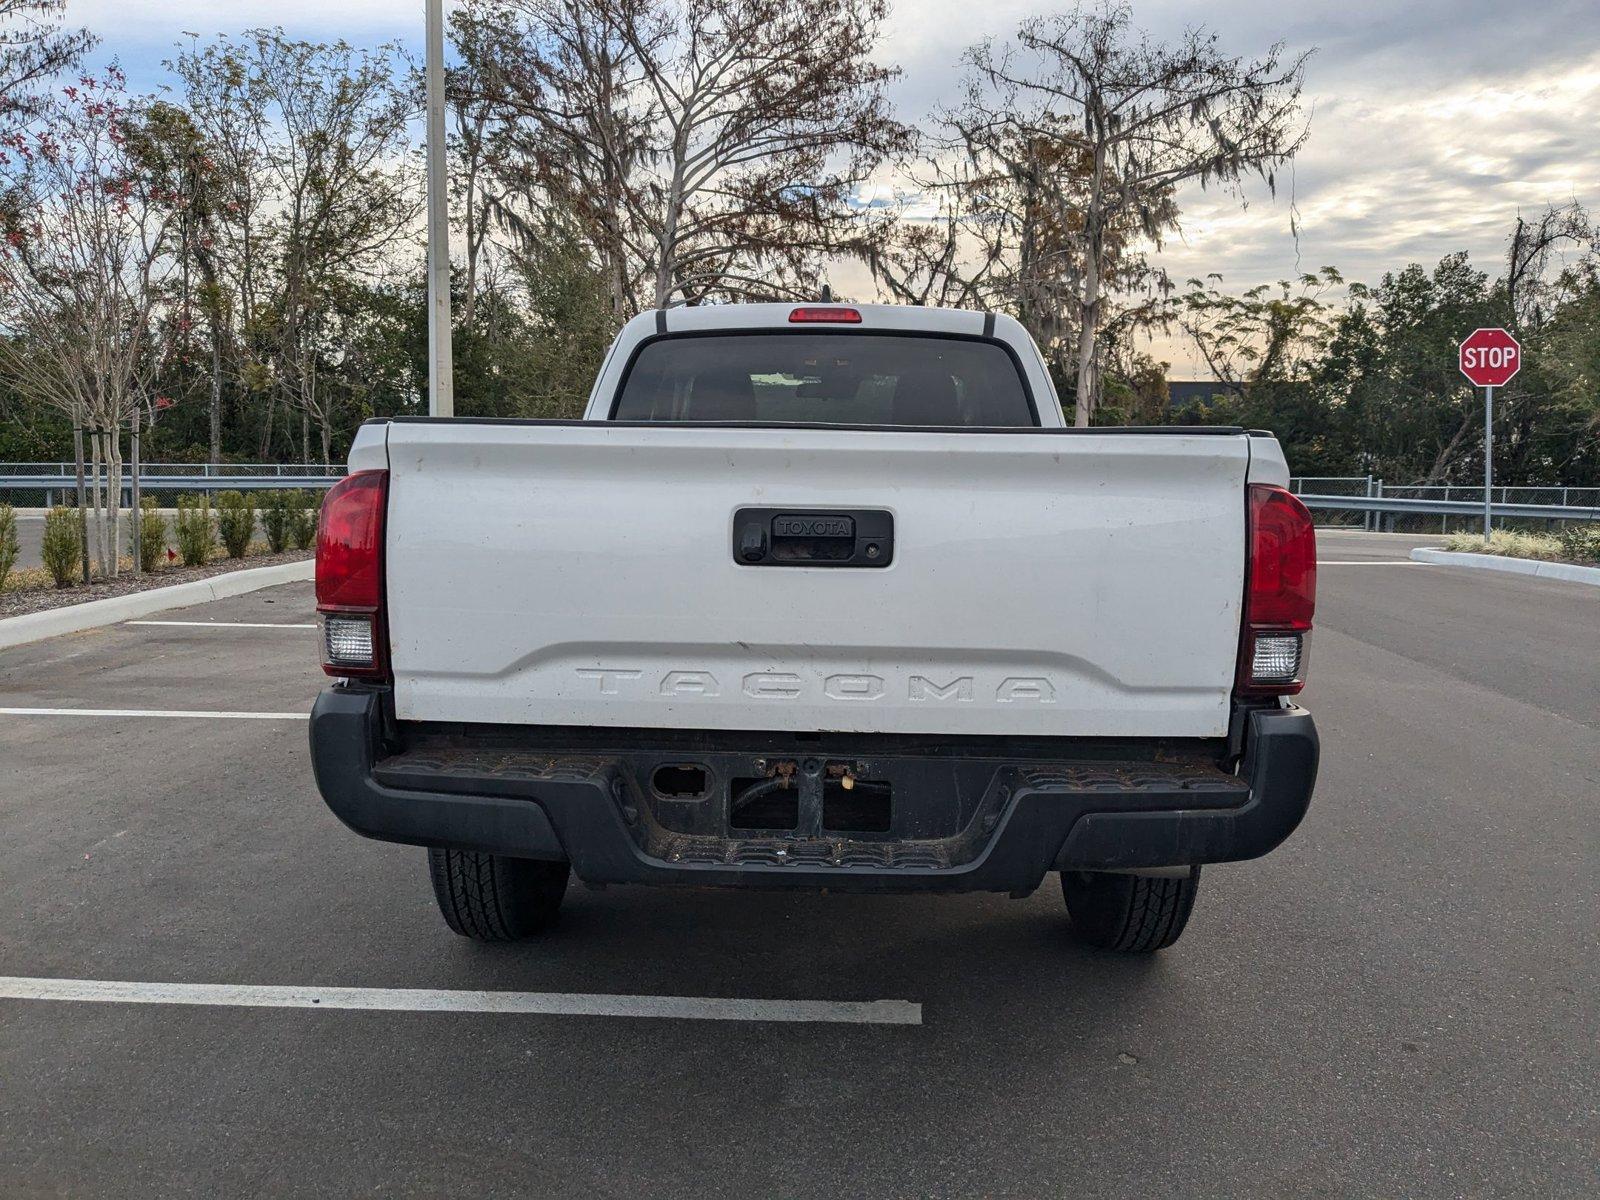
(441, 393)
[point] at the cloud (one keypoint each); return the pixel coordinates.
(1420, 172)
(120, 21)
(1434, 121)
(143, 33)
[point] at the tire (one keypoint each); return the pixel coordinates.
(490, 898)
(1134, 914)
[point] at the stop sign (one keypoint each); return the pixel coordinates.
(1490, 357)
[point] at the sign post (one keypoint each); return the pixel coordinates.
(1489, 358)
(1488, 463)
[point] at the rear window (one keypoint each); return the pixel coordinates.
(829, 378)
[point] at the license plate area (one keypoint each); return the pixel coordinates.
(813, 537)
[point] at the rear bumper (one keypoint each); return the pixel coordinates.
(1027, 817)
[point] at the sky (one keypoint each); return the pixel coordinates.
(1433, 123)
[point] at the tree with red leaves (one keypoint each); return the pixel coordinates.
(83, 264)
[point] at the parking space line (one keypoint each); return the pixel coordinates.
(568, 1004)
(1369, 562)
(226, 624)
(154, 712)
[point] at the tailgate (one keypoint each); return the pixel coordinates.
(1040, 583)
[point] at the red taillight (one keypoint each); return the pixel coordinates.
(1280, 593)
(350, 576)
(826, 314)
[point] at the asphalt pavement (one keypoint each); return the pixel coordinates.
(1402, 1000)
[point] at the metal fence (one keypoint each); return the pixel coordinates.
(1365, 502)
(1342, 501)
(30, 485)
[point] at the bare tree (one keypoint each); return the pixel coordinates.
(470, 183)
(1533, 289)
(1268, 333)
(769, 114)
(1551, 264)
(304, 190)
(1006, 232)
(340, 195)
(482, 171)
(710, 147)
(1128, 121)
(34, 49)
(172, 151)
(564, 87)
(215, 139)
(938, 242)
(82, 270)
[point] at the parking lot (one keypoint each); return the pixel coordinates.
(1403, 999)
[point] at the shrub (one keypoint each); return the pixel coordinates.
(62, 547)
(277, 518)
(152, 534)
(1509, 543)
(195, 529)
(8, 542)
(303, 508)
(1581, 544)
(236, 522)
(1574, 544)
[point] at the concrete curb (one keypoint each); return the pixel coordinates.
(1515, 566)
(92, 614)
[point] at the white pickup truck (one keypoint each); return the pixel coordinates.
(817, 596)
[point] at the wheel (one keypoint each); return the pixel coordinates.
(495, 899)
(1132, 913)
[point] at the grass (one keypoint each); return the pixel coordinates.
(1508, 544)
(1579, 544)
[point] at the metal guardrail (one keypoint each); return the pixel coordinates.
(1381, 506)
(1466, 508)
(178, 483)
(1371, 499)
(59, 482)
(220, 470)
(1367, 485)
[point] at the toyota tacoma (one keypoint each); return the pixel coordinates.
(822, 597)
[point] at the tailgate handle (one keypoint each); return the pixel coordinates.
(807, 537)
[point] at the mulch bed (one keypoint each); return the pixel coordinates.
(14, 604)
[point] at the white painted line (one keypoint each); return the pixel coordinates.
(1355, 562)
(153, 712)
(569, 1004)
(225, 624)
